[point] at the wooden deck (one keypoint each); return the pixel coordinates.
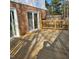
(39, 45)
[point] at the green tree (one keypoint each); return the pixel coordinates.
(55, 2)
(54, 7)
(49, 7)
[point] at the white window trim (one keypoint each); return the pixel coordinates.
(16, 23)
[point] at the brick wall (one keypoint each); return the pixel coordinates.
(22, 15)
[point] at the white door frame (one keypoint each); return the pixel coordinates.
(16, 23)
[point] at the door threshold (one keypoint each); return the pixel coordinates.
(35, 30)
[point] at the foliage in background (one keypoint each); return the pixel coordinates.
(55, 8)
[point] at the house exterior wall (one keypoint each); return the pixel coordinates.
(22, 10)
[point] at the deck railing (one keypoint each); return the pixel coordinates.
(55, 24)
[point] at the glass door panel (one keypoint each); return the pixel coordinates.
(30, 21)
(35, 21)
(12, 24)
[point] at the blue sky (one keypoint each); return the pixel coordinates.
(49, 1)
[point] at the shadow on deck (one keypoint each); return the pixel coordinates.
(57, 50)
(24, 48)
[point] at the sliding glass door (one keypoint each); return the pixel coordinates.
(14, 29)
(33, 20)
